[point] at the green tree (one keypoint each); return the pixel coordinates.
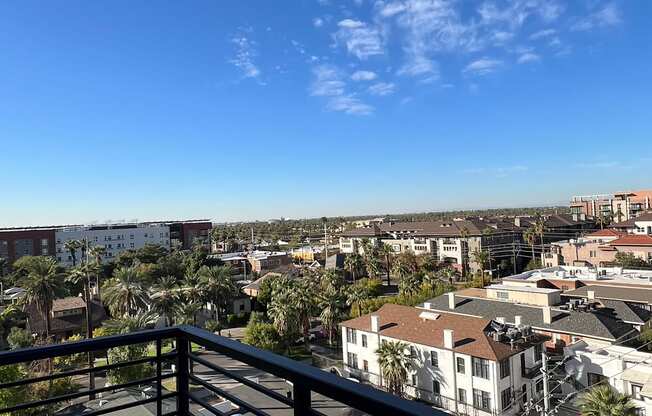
(71, 246)
(387, 252)
(185, 313)
(409, 285)
(165, 297)
(263, 335)
(481, 257)
(353, 263)
(332, 302)
(303, 298)
(218, 286)
(282, 310)
(15, 395)
(602, 400)
(394, 365)
(19, 338)
(125, 293)
(356, 296)
(630, 261)
(404, 264)
(41, 284)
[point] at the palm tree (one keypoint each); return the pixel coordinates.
(480, 257)
(218, 286)
(539, 228)
(352, 262)
(282, 311)
(449, 274)
(332, 302)
(530, 237)
(72, 246)
(372, 265)
(185, 313)
(602, 400)
(192, 291)
(303, 300)
(96, 252)
(394, 365)
(387, 251)
(127, 324)
(125, 293)
(164, 298)
(409, 285)
(41, 283)
(356, 295)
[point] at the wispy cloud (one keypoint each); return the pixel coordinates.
(318, 22)
(483, 66)
(609, 15)
(245, 55)
(382, 88)
(528, 57)
(359, 38)
(329, 83)
(542, 34)
(363, 76)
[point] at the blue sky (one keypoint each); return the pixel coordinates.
(251, 110)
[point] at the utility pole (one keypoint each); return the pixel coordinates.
(252, 238)
(325, 241)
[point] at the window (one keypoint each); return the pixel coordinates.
(350, 335)
(594, 378)
(506, 398)
(435, 387)
(502, 294)
(592, 253)
(504, 368)
(414, 379)
(538, 350)
(365, 365)
(364, 340)
(461, 365)
(352, 360)
(434, 359)
(461, 396)
(636, 391)
(481, 399)
(481, 367)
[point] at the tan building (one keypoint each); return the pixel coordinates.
(620, 206)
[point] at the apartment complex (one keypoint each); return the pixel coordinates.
(454, 241)
(620, 206)
(466, 365)
(255, 261)
(32, 241)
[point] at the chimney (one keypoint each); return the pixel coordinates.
(426, 305)
(448, 339)
(451, 300)
(547, 315)
(375, 323)
(517, 320)
(590, 294)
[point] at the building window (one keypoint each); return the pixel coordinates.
(636, 391)
(414, 380)
(365, 365)
(352, 360)
(502, 294)
(481, 399)
(504, 368)
(461, 396)
(538, 351)
(364, 340)
(461, 365)
(506, 398)
(594, 378)
(481, 368)
(434, 360)
(350, 335)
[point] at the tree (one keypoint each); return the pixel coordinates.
(19, 338)
(409, 285)
(218, 286)
(15, 395)
(353, 263)
(387, 252)
(539, 228)
(372, 265)
(97, 252)
(630, 261)
(481, 257)
(356, 295)
(164, 298)
(332, 303)
(394, 365)
(185, 313)
(4, 264)
(530, 238)
(125, 292)
(404, 264)
(263, 335)
(41, 283)
(303, 298)
(602, 400)
(72, 246)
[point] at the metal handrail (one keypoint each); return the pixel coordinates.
(305, 379)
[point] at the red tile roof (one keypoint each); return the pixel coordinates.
(470, 334)
(633, 240)
(606, 233)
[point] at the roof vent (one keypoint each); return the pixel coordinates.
(429, 316)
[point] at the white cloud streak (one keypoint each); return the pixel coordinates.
(329, 83)
(363, 76)
(482, 66)
(382, 88)
(245, 55)
(359, 38)
(609, 15)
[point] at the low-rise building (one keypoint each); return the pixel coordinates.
(30, 241)
(463, 364)
(619, 206)
(67, 317)
(256, 261)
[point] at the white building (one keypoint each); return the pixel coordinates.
(463, 364)
(625, 369)
(115, 238)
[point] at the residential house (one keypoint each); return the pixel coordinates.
(67, 317)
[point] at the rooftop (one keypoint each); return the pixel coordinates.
(523, 289)
(609, 274)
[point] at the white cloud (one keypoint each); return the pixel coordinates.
(391, 8)
(421, 67)
(382, 88)
(516, 12)
(501, 37)
(608, 15)
(528, 57)
(542, 34)
(318, 22)
(359, 38)
(483, 66)
(329, 82)
(245, 54)
(363, 76)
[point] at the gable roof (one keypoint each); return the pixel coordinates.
(600, 324)
(632, 240)
(470, 334)
(64, 323)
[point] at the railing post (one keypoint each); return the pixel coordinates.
(301, 397)
(159, 389)
(183, 407)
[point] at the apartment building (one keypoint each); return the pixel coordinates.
(255, 261)
(115, 238)
(620, 206)
(184, 234)
(466, 365)
(31, 241)
(641, 225)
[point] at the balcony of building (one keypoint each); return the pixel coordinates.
(188, 371)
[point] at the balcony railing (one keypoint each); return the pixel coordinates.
(306, 381)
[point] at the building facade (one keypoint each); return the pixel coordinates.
(18, 242)
(619, 206)
(461, 364)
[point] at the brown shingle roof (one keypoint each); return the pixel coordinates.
(606, 233)
(403, 323)
(65, 304)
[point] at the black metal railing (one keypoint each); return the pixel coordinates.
(306, 381)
